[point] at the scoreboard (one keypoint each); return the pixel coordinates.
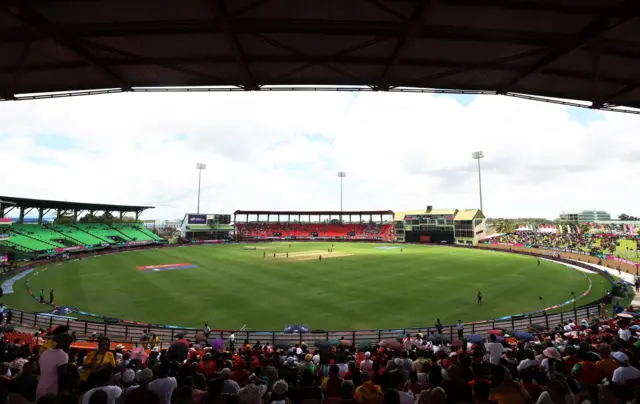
(209, 219)
(220, 219)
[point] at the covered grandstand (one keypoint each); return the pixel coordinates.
(316, 225)
(464, 227)
(29, 240)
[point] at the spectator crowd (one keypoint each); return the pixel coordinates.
(594, 361)
(596, 243)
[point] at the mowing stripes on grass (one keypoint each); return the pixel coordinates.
(370, 288)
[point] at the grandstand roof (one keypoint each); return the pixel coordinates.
(401, 215)
(586, 50)
(313, 212)
(469, 214)
(64, 205)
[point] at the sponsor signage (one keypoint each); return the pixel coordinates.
(197, 219)
(621, 260)
(138, 242)
(5, 220)
(73, 248)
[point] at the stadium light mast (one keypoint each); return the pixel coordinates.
(341, 175)
(477, 156)
(199, 167)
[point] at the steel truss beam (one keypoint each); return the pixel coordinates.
(418, 17)
(595, 29)
(224, 20)
(30, 17)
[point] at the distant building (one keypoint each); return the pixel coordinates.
(584, 215)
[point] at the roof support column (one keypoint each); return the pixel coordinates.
(40, 215)
(21, 217)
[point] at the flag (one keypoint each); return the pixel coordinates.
(578, 229)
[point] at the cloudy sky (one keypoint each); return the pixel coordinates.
(282, 151)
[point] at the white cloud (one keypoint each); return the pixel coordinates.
(282, 151)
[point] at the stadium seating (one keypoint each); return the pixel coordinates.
(77, 234)
(135, 232)
(103, 232)
(305, 230)
(33, 238)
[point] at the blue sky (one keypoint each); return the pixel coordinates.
(54, 141)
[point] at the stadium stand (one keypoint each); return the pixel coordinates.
(314, 230)
(75, 233)
(34, 238)
(135, 232)
(593, 353)
(616, 244)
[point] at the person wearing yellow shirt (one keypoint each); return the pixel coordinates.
(98, 359)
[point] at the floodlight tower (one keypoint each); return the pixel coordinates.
(199, 167)
(341, 175)
(477, 156)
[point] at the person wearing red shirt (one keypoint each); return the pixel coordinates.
(240, 374)
(207, 367)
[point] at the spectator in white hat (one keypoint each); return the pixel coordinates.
(625, 372)
(366, 364)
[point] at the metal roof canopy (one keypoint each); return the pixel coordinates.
(586, 50)
(8, 201)
(313, 212)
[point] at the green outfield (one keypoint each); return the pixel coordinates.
(357, 286)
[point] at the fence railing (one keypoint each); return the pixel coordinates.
(132, 332)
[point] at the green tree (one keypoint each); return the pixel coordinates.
(89, 219)
(63, 219)
(505, 226)
(585, 228)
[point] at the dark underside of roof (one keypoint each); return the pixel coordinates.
(585, 50)
(8, 202)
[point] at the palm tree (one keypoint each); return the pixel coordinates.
(585, 228)
(505, 226)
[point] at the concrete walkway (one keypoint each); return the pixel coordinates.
(627, 277)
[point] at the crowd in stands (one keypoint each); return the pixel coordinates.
(598, 243)
(314, 230)
(593, 361)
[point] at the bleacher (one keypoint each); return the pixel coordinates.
(104, 232)
(77, 234)
(307, 230)
(46, 234)
(37, 239)
(134, 232)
